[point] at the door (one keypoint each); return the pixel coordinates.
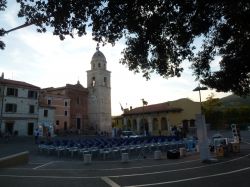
(78, 123)
(9, 126)
(30, 128)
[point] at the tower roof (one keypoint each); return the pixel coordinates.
(98, 57)
(98, 61)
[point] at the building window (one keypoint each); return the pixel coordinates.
(57, 122)
(105, 81)
(78, 123)
(65, 112)
(45, 113)
(12, 92)
(65, 103)
(49, 101)
(32, 94)
(65, 126)
(99, 65)
(78, 100)
(10, 107)
(32, 109)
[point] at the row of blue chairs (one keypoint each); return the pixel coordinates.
(113, 147)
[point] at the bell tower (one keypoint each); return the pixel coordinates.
(99, 98)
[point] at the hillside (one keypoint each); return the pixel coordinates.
(235, 101)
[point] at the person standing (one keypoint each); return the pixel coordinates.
(36, 135)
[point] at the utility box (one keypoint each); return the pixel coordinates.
(219, 151)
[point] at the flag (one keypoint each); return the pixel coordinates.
(144, 102)
(122, 107)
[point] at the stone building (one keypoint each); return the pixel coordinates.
(99, 97)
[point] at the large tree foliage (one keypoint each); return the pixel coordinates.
(2, 31)
(160, 34)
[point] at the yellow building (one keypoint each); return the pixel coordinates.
(159, 119)
(117, 122)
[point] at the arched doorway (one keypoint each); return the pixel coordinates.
(155, 126)
(144, 129)
(134, 125)
(164, 124)
(128, 125)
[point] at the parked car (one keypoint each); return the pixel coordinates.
(212, 142)
(129, 134)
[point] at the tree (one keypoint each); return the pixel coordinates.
(211, 103)
(160, 34)
(2, 31)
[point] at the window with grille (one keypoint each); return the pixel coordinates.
(32, 109)
(45, 113)
(32, 94)
(12, 92)
(9, 107)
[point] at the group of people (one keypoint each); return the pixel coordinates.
(37, 134)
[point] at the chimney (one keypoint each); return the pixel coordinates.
(2, 77)
(131, 108)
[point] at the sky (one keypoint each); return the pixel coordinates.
(46, 61)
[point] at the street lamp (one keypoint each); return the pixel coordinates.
(143, 120)
(199, 88)
(202, 131)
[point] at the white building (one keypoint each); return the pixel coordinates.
(46, 119)
(18, 107)
(99, 97)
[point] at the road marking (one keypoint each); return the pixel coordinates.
(190, 179)
(127, 168)
(176, 170)
(48, 177)
(110, 182)
(118, 176)
(43, 165)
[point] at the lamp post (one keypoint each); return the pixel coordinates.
(143, 120)
(202, 130)
(199, 88)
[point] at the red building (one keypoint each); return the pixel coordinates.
(71, 103)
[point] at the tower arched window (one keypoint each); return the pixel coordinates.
(99, 65)
(93, 82)
(105, 81)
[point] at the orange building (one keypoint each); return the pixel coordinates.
(70, 104)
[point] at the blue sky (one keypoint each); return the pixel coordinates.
(46, 61)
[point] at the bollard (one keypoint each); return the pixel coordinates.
(197, 148)
(182, 152)
(87, 158)
(124, 157)
(157, 155)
